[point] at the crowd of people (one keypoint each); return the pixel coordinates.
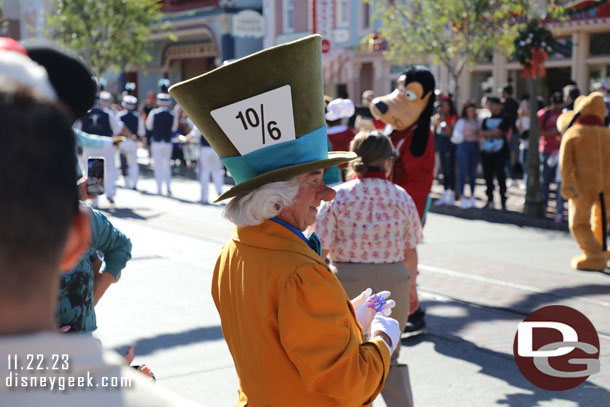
(488, 139)
(156, 125)
(306, 304)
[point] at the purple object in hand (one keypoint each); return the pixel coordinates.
(376, 302)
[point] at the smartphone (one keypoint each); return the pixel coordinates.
(95, 175)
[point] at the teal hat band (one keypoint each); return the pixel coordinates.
(310, 147)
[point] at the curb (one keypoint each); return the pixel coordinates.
(497, 216)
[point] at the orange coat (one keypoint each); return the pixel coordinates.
(289, 325)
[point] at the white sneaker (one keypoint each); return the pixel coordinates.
(450, 197)
(464, 203)
(442, 200)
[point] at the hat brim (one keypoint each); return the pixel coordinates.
(282, 174)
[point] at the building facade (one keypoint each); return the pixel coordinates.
(352, 66)
(586, 32)
(198, 36)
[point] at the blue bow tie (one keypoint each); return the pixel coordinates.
(313, 241)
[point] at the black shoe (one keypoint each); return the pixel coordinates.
(416, 321)
(489, 205)
(111, 200)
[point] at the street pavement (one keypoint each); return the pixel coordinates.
(477, 281)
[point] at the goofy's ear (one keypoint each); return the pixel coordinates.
(78, 240)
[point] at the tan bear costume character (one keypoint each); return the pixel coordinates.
(585, 169)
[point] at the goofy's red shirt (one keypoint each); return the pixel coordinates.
(414, 174)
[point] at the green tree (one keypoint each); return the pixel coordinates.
(109, 34)
(456, 34)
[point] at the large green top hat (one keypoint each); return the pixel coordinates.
(264, 114)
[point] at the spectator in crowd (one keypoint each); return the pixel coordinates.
(332, 175)
(510, 110)
(570, 93)
(339, 134)
(364, 118)
(82, 287)
(442, 125)
(102, 121)
(370, 231)
(604, 89)
(467, 134)
(494, 151)
(38, 238)
(550, 140)
(523, 128)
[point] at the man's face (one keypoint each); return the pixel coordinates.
(495, 108)
(312, 191)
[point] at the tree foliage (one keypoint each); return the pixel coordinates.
(108, 34)
(454, 33)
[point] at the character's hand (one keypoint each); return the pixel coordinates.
(570, 191)
(365, 314)
(389, 327)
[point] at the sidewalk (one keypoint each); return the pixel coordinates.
(514, 215)
(515, 201)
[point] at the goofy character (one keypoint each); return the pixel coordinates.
(408, 111)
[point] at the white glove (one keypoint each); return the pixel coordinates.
(365, 314)
(389, 326)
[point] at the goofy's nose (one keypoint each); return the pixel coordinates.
(381, 107)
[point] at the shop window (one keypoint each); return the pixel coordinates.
(482, 83)
(342, 10)
(564, 48)
(598, 74)
(486, 58)
(599, 44)
(366, 15)
(288, 16)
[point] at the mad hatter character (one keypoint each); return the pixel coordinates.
(295, 337)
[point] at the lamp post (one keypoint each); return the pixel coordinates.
(533, 198)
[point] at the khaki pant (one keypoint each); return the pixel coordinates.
(393, 277)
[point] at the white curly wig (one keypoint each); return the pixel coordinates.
(263, 203)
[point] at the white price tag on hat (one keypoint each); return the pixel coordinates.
(260, 121)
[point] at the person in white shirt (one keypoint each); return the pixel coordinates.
(100, 120)
(208, 164)
(162, 123)
(133, 121)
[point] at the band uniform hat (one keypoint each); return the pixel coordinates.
(164, 99)
(264, 114)
(129, 102)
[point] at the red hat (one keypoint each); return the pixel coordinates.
(9, 44)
